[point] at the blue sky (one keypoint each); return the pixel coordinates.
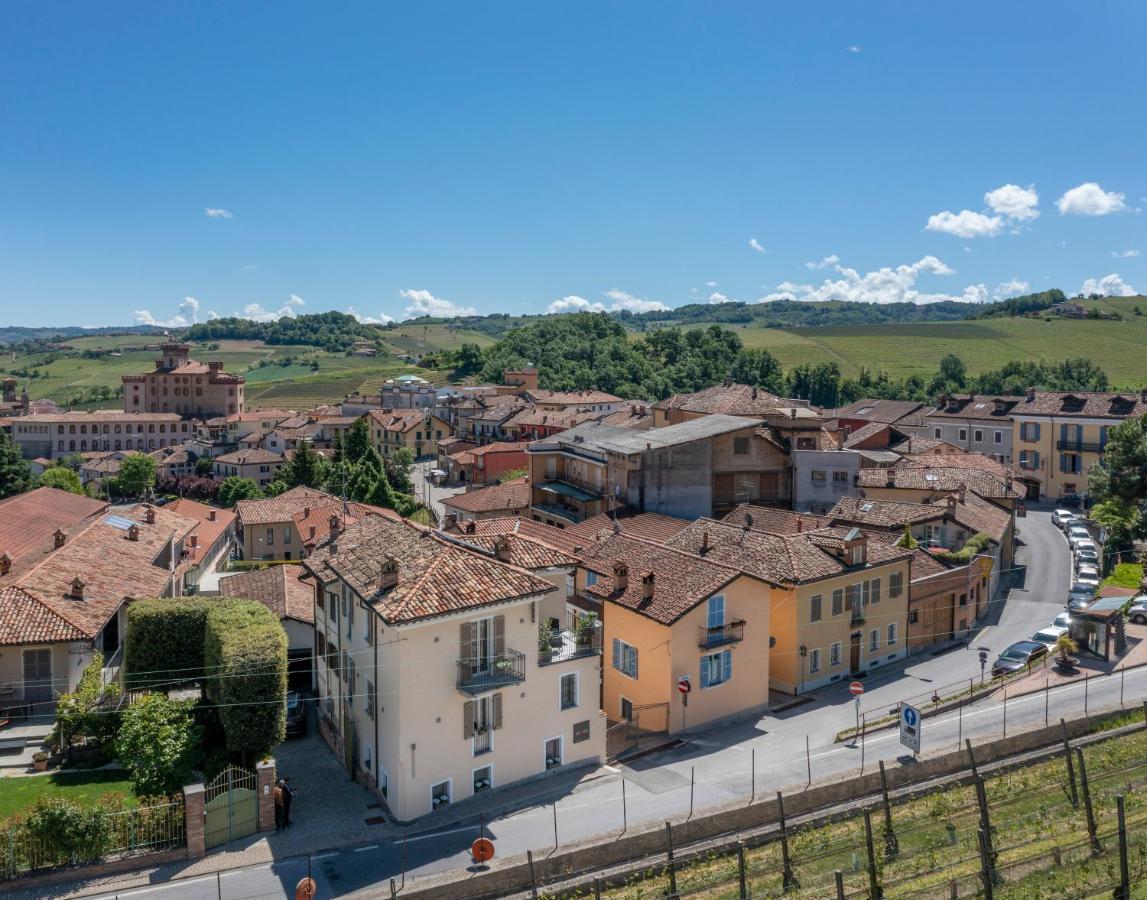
(501, 157)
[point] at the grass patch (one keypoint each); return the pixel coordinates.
(1127, 575)
(19, 793)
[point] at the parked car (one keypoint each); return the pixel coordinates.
(1088, 556)
(1137, 611)
(1080, 596)
(1018, 655)
(296, 715)
(1085, 574)
(1085, 546)
(1072, 500)
(1063, 620)
(1049, 635)
(1062, 517)
(1076, 533)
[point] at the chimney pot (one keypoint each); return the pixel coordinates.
(59, 538)
(334, 524)
(502, 548)
(620, 576)
(705, 541)
(77, 589)
(149, 514)
(5, 564)
(211, 515)
(647, 586)
(1030, 394)
(133, 533)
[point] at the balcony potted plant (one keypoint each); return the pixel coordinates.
(1064, 647)
(545, 636)
(40, 761)
(585, 629)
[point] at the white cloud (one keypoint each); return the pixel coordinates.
(1014, 201)
(717, 297)
(1012, 288)
(830, 260)
(712, 284)
(756, 245)
(381, 319)
(258, 313)
(1108, 286)
(214, 212)
(186, 313)
(965, 224)
(573, 303)
(884, 285)
(622, 300)
(1089, 199)
(855, 48)
(424, 303)
(251, 267)
(212, 315)
(1124, 254)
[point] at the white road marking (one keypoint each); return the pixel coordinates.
(367, 847)
(325, 855)
(161, 887)
(427, 837)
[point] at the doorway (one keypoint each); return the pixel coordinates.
(854, 653)
(38, 675)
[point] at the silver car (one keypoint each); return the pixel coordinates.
(1048, 636)
(1061, 517)
(1137, 611)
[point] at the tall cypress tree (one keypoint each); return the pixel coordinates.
(15, 473)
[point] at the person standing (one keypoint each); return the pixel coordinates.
(278, 795)
(288, 796)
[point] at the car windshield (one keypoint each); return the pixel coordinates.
(1045, 637)
(1015, 655)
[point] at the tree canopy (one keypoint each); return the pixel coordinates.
(15, 473)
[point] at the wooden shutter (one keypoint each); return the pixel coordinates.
(616, 653)
(727, 665)
(496, 710)
(468, 712)
(464, 639)
(499, 636)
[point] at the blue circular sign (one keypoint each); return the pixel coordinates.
(910, 716)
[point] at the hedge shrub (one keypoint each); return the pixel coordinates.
(245, 656)
(164, 643)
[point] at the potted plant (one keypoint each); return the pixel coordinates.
(585, 627)
(40, 761)
(1064, 647)
(545, 636)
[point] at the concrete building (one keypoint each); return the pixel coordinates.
(52, 435)
(407, 392)
(183, 386)
(257, 464)
(431, 684)
(974, 422)
(418, 430)
(509, 499)
(822, 477)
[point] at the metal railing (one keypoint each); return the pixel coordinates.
(478, 676)
(719, 635)
(572, 646)
(1079, 446)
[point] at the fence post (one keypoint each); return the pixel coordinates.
(985, 824)
(874, 890)
(753, 776)
(1005, 712)
(986, 874)
(624, 815)
(788, 878)
(692, 784)
(193, 822)
(891, 845)
(555, 825)
(1085, 679)
(1046, 693)
(1092, 834)
(972, 758)
(1070, 766)
(1122, 669)
(597, 889)
(669, 854)
(1124, 892)
(839, 884)
(808, 756)
(742, 875)
(533, 877)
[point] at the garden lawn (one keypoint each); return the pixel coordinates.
(19, 793)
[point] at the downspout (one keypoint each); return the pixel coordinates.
(377, 748)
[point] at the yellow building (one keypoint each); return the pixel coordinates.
(1059, 437)
(415, 429)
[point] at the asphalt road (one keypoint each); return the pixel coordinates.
(715, 767)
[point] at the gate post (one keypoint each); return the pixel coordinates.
(266, 785)
(193, 823)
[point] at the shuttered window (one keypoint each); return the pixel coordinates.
(625, 658)
(716, 668)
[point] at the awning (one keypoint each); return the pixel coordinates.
(561, 489)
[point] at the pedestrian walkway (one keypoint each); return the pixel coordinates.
(1087, 666)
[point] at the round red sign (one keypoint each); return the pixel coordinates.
(482, 850)
(856, 688)
(683, 684)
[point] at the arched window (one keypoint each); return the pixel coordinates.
(71, 445)
(117, 429)
(71, 429)
(83, 446)
(117, 443)
(60, 429)
(60, 446)
(83, 429)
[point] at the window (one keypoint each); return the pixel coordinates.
(553, 753)
(837, 601)
(818, 476)
(963, 434)
(440, 794)
(740, 446)
(716, 668)
(568, 690)
(839, 477)
(715, 613)
(891, 632)
(270, 537)
(936, 432)
(895, 585)
(874, 640)
(370, 698)
(286, 535)
(1071, 462)
(998, 437)
(814, 661)
(483, 779)
(814, 608)
(590, 578)
(834, 654)
(625, 658)
(1029, 431)
(852, 599)
(913, 617)
(874, 591)
(367, 758)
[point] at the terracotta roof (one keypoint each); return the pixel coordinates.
(976, 514)
(737, 400)
(522, 549)
(775, 521)
(550, 418)
(436, 575)
(282, 508)
(555, 538)
(398, 420)
(28, 521)
(314, 522)
(977, 461)
(780, 559)
(250, 457)
(99, 415)
(648, 526)
(633, 415)
(285, 590)
(501, 447)
(209, 529)
(451, 443)
(866, 434)
(511, 495)
(25, 619)
(681, 579)
(988, 407)
(570, 398)
(1083, 404)
(925, 565)
(881, 513)
(888, 412)
(939, 478)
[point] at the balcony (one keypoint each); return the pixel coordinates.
(567, 645)
(719, 635)
(1079, 446)
(495, 672)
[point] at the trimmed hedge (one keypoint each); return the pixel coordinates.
(164, 645)
(245, 656)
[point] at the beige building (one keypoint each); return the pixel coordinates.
(418, 430)
(52, 435)
(180, 385)
(796, 421)
(432, 687)
(257, 464)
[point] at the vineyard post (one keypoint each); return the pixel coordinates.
(1124, 877)
(669, 853)
(1092, 834)
(533, 877)
(839, 884)
(985, 864)
(891, 845)
(789, 879)
(742, 875)
(1070, 766)
(874, 890)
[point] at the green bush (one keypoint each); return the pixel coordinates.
(245, 656)
(1128, 575)
(975, 545)
(164, 642)
(66, 832)
(159, 743)
(82, 713)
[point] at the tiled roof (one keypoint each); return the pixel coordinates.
(775, 521)
(273, 510)
(501, 447)
(648, 526)
(681, 579)
(866, 433)
(596, 437)
(522, 550)
(28, 521)
(398, 420)
(98, 415)
(571, 398)
(737, 400)
(1083, 404)
(314, 522)
(779, 559)
(511, 495)
(25, 619)
(549, 418)
(939, 478)
(285, 590)
(977, 461)
(989, 407)
(976, 514)
(881, 513)
(888, 412)
(633, 415)
(436, 575)
(249, 457)
(209, 529)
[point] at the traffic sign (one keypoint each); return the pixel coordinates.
(683, 684)
(856, 688)
(910, 727)
(482, 850)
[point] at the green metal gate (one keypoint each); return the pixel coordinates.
(232, 806)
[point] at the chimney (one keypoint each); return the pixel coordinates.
(76, 591)
(705, 541)
(149, 514)
(5, 564)
(59, 537)
(961, 491)
(334, 524)
(889, 478)
(210, 515)
(800, 524)
(1030, 394)
(620, 576)
(754, 393)
(1143, 396)
(388, 574)
(951, 501)
(647, 586)
(306, 512)
(502, 548)
(133, 532)
(451, 520)
(471, 526)
(194, 540)
(311, 533)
